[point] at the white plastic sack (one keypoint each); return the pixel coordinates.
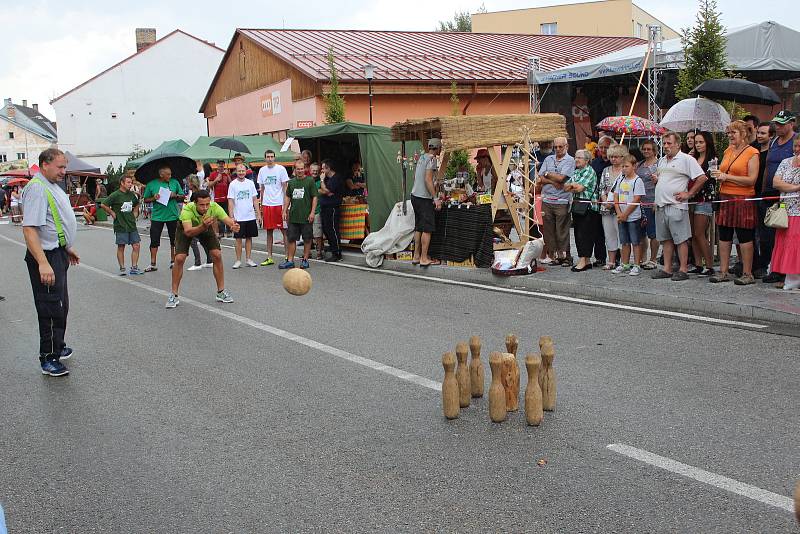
(396, 235)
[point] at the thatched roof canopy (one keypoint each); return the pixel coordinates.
(465, 132)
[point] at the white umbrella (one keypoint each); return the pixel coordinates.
(696, 114)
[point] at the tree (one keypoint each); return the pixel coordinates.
(459, 159)
(703, 50)
(462, 22)
(334, 102)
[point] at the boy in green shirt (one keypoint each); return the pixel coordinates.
(123, 206)
(298, 210)
(163, 215)
(197, 220)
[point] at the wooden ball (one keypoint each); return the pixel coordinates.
(297, 281)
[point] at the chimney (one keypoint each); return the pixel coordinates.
(144, 38)
(8, 102)
(11, 111)
(24, 103)
(35, 107)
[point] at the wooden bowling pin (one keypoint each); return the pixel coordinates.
(449, 386)
(512, 342)
(548, 379)
(497, 393)
(462, 375)
(533, 393)
(547, 346)
(476, 367)
(510, 379)
(544, 340)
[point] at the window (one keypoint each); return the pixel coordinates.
(3, 158)
(549, 28)
(20, 155)
(637, 30)
(11, 135)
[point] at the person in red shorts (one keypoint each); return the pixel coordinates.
(272, 180)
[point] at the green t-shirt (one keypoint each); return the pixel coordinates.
(189, 213)
(301, 193)
(161, 212)
(122, 205)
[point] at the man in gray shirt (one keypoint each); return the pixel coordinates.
(49, 228)
(555, 170)
(425, 202)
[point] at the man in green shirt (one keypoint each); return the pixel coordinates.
(163, 214)
(298, 210)
(197, 220)
(123, 206)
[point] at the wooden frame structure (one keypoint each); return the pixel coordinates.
(499, 134)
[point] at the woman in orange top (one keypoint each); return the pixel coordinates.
(737, 177)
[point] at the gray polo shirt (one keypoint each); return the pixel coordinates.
(565, 166)
(427, 162)
(36, 212)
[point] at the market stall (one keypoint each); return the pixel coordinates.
(80, 181)
(373, 148)
(175, 146)
(471, 227)
(203, 151)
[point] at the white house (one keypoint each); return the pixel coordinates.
(144, 99)
(24, 132)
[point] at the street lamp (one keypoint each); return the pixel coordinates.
(369, 74)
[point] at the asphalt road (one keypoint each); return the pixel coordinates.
(317, 413)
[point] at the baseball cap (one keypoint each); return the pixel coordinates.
(783, 117)
(434, 142)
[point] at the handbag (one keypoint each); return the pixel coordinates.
(581, 208)
(777, 216)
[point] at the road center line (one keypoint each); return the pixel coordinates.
(217, 310)
(707, 477)
(536, 294)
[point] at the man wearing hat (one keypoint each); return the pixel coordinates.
(238, 159)
(425, 201)
(780, 148)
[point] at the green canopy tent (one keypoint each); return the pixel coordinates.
(258, 144)
(374, 148)
(176, 146)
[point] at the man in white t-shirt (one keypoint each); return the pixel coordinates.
(272, 180)
(675, 170)
(243, 208)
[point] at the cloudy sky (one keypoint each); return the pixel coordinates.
(57, 45)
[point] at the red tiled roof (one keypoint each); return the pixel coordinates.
(170, 34)
(429, 56)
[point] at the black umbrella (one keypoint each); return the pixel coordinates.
(738, 90)
(227, 143)
(181, 167)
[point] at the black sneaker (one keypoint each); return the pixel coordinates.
(738, 269)
(54, 368)
(696, 270)
(679, 276)
(758, 274)
(773, 278)
(333, 257)
(659, 275)
(66, 354)
(707, 272)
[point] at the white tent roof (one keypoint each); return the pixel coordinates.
(766, 46)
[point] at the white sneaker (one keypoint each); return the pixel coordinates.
(546, 261)
(237, 264)
(208, 265)
(251, 263)
(194, 268)
(635, 271)
(619, 269)
(172, 301)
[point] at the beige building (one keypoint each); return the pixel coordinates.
(616, 18)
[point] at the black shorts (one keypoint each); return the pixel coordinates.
(296, 230)
(207, 239)
(157, 228)
(424, 214)
(246, 229)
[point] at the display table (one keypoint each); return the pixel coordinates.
(353, 221)
(463, 232)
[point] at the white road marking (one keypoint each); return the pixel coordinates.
(707, 477)
(536, 294)
(217, 310)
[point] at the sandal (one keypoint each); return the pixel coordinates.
(414, 262)
(150, 268)
(608, 266)
(434, 262)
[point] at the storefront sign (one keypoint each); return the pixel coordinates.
(271, 104)
(304, 124)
